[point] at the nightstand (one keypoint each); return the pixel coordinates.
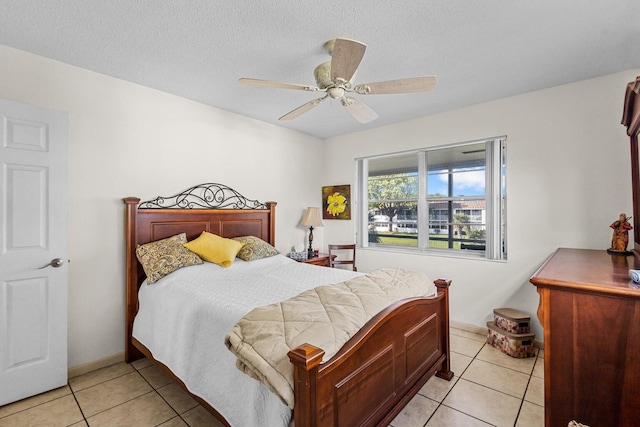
(321, 260)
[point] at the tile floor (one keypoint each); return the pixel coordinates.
(489, 389)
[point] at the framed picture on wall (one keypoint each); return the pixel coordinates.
(336, 202)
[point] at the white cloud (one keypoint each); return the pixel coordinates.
(464, 182)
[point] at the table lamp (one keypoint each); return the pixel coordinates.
(312, 219)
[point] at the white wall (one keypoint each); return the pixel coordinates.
(128, 140)
(568, 178)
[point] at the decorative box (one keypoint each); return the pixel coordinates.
(514, 345)
(511, 320)
(298, 255)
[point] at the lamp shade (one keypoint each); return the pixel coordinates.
(312, 218)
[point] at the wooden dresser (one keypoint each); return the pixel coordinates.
(590, 312)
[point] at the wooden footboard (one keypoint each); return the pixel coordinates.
(377, 372)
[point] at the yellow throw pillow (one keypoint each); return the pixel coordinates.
(216, 249)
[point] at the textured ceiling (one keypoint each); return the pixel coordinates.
(479, 49)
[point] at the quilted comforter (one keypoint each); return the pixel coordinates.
(326, 317)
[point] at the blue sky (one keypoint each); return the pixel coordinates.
(465, 183)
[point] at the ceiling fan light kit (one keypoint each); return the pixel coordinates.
(335, 79)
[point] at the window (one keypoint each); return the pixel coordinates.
(445, 199)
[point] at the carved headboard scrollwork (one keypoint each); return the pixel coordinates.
(204, 196)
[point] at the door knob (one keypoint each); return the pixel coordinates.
(55, 263)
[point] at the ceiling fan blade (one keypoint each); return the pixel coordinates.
(345, 58)
(410, 85)
(267, 83)
(358, 109)
(302, 109)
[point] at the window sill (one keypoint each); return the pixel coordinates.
(470, 255)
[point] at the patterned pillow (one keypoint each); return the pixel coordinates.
(164, 256)
(255, 248)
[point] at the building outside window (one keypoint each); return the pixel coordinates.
(449, 199)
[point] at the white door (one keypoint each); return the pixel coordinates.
(33, 232)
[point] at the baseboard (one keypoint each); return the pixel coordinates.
(96, 364)
(468, 327)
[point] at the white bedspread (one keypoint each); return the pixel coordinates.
(183, 319)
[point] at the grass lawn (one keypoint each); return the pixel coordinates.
(411, 240)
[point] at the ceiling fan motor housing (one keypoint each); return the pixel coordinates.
(322, 74)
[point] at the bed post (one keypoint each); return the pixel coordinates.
(443, 288)
(131, 308)
(306, 359)
(272, 222)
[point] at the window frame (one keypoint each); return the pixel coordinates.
(495, 199)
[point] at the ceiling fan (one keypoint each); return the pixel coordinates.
(335, 79)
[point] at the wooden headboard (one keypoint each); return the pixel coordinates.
(214, 208)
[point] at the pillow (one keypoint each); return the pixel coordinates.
(216, 249)
(254, 248)
(164, 256)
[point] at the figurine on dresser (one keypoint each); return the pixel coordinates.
(620, 238)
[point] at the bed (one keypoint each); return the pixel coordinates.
(367, 382)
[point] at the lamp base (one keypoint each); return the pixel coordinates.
(310, 250)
